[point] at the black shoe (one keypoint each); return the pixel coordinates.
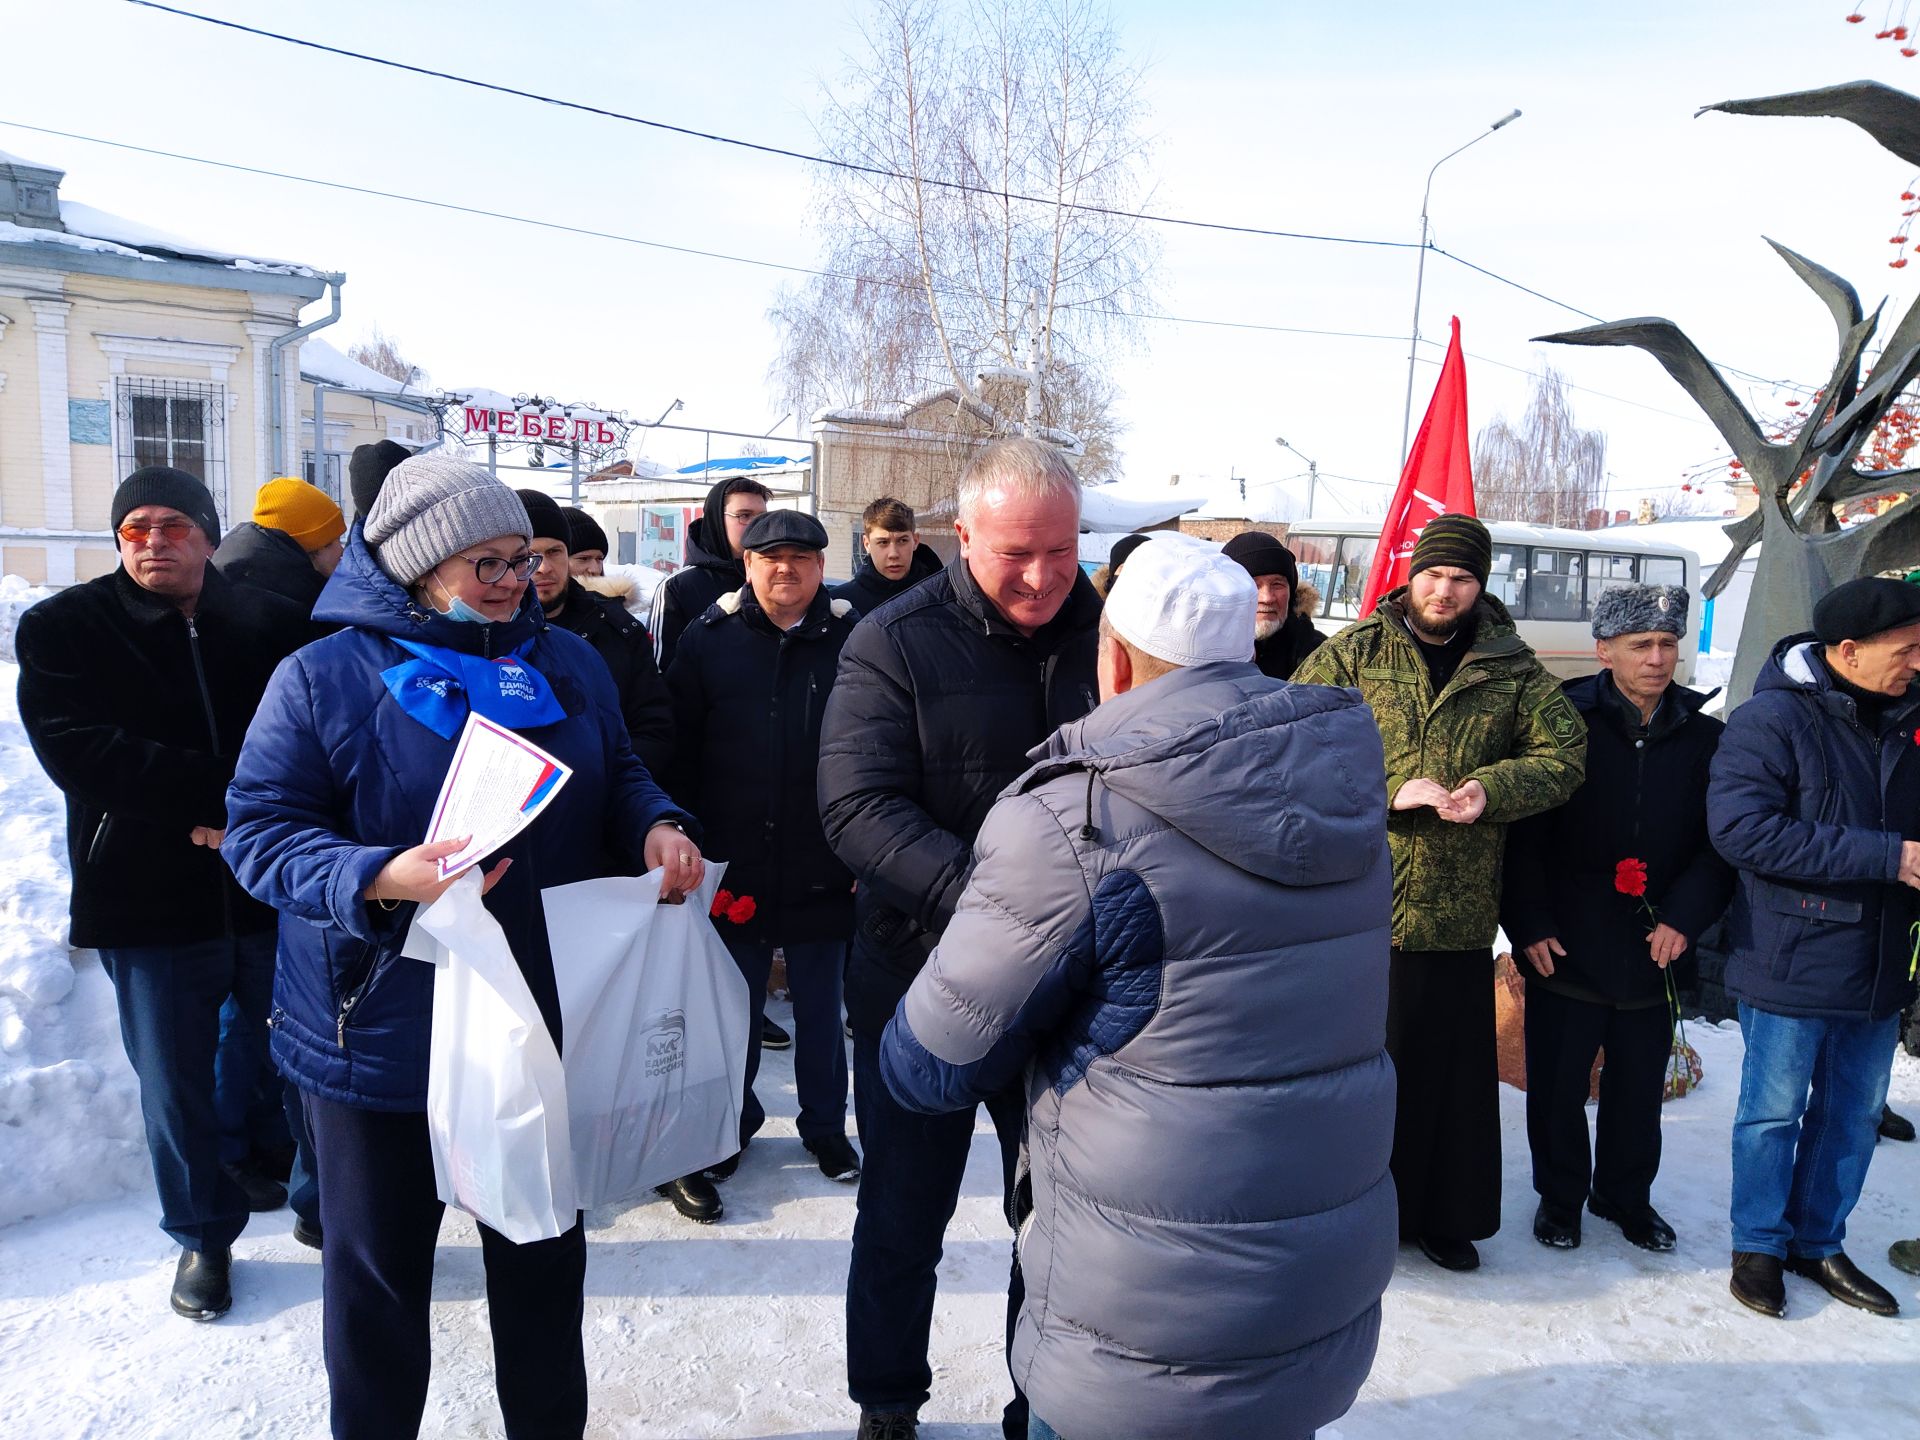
(200, 1285)
(262, 1194)
(1756, 1283)
(694, 1197)
(725, 1168)
(1841, 1278)
(1905, 1255)
(275, 1162)
(307, 1232)
(1458, 1255)
(772, 1037)
(1894, 1127)
(1557, 1225)
(837, 1158)
(875, 1425)
(1641, 1224)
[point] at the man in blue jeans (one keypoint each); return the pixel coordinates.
(1815, 799)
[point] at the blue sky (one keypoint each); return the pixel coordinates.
(1317, 117)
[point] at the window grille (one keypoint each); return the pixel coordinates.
(181, 423)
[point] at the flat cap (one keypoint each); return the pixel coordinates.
(1863, 608)
(784, 527)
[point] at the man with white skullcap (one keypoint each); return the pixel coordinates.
(1176, 933)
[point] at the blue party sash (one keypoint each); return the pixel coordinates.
(439, 686)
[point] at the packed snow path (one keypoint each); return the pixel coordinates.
(736, 1329)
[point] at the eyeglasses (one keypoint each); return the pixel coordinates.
(138, 532)
(738, 516)
(491, 569)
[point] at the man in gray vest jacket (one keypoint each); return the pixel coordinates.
(1177, 930)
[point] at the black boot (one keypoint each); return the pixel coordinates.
(201, 1289)
(1893, 1126)
(1449, 1254)
(1641, 1224)
(1841, 1278)
(887, 1425)
(1557, 1226)
(694, 1197)
(1757, 1283)
(262, 1194)
(772, 1036)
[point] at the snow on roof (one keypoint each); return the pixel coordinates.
(105, 233)
(320, 361)
(479, 397)
(9, 158)
(12, 234)
(1706, 536)
(1104, 508)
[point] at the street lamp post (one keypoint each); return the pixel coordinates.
(1420, 275)
(1313, 474)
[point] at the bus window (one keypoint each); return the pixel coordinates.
(1554, 585)
(1315, 556)
(1663, 570)
(1350, 577)
(1506, 577)
(1604, 572)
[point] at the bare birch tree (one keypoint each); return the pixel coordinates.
(381, 352)
(977, 130)
(1546, 469)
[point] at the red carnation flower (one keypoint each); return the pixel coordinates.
(741, 910)
(721, 903)
(1630, 877)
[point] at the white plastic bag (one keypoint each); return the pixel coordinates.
(655, 1016)
(496, 1090)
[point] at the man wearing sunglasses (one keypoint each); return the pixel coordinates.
(136, 690)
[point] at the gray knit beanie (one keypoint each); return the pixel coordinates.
(434, 506)
(1635, 609)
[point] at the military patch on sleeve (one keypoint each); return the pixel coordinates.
(1557, 716)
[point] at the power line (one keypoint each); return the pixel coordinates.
(800, 155)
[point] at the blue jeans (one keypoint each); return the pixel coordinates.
(1809, 1113)
(258, 1110)
(911, 1166)
(169, 1000)
(815, 975)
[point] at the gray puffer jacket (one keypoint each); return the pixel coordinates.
(1177, 926)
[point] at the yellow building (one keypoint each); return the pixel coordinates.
(121, 346)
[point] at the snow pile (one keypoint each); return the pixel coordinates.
(17, 596)
(70, 1126)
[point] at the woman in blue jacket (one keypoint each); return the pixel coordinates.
(333, 791)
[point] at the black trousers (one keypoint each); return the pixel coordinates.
(1563, 1036)
(381, 1214)
(1446, 1131)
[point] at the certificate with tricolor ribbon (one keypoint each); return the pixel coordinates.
(497, 785)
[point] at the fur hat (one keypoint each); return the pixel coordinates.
(1634, 609)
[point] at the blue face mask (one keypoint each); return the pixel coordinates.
(458, 609)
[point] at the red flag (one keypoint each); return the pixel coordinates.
(1438, 479)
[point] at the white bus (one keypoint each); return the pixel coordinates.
(1547, 578)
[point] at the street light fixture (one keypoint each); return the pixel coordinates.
(1420, 276)
(1313, 474)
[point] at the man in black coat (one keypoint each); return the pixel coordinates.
(895, 560)
(291, 544)
(1603, 895)
(1282, 637)
(942, 692)
(136, 690)
(713, 565)
(615, 633)
(750, 685)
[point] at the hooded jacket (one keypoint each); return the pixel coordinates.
(868, 590)
(1644, 798)
(748, 700)
(1502, 720)
(270, 560)
(1811, 805)
(1177, 927)
(136, 713)
(336, 779)
(710, 572)
(620, 640)
(937, 702)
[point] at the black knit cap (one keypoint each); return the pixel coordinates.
(584, 532)
(1262, 554)
(163, 485)
(1123, 547)
(368, 469)
(1457, 542)
(544, 511)
(784, 527)
(1861, 609)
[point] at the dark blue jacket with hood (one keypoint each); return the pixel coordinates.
(335, 779)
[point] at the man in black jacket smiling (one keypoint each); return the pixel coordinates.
(136, 690)
(941, 694)
(1599, 954)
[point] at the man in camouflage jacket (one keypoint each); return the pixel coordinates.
(1477, 734)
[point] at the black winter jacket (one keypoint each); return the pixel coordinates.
(748, 702)
(710, 572)
(939, 700)
(272, 560)
(868, 590)
(137, 714)
(619, 638)
(1280, 654)
(1644, 798)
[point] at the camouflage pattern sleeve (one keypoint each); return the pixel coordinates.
(1329, 664)
(1549, 756)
